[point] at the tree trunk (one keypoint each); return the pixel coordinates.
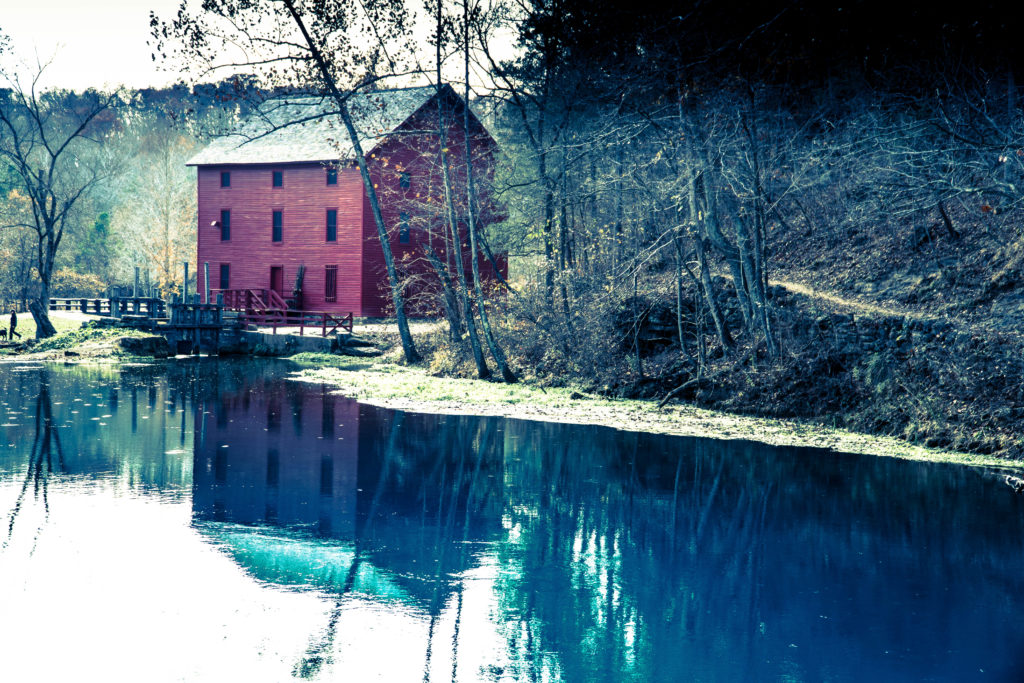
(758, 238)
(408, 347)
(39, 309)
(563, 246)
(397, 298)
(636, 323)
(496, 352)
(950, 230)
(451, 302)
(482, 371)
(708, 290)
(549, 250)
(704, 285)
(711, 230)
(549, 208)
(677, 242)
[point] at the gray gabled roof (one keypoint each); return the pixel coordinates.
(314, 131)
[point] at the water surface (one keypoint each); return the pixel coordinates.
(213, 521)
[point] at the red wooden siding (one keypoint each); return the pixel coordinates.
(303, 200)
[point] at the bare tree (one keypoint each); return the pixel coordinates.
(49, 141)
(444, 116)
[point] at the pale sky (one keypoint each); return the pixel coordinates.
(91, 42)
(97, 43)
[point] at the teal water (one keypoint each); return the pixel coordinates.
(213, 521)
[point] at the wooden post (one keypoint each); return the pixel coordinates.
(184, 286)
(206, 282)
(135, 290)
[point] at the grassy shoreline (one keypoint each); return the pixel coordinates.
(413, 389)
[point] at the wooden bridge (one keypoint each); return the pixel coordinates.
(200, 325)
(114, 307)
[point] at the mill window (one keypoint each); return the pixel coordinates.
(277, 223)
(332, 225)
(331, 284)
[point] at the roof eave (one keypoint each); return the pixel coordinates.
(333, 160)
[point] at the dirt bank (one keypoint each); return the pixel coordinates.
(413, 389)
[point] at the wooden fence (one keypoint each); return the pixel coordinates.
(115, 307)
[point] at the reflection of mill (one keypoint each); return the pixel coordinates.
(282, 457)
(304, 488)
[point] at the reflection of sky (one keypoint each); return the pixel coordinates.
(122, 589)
(109, 578)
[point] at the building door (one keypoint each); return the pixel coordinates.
(277, 279)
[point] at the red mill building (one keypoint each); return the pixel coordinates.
(276, 200)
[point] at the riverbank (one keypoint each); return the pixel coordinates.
(413, 389)
(87, 344)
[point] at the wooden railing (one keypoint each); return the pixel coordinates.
(276, 301)
(250, 300)
(323, 322)
(241, 299)
(118, 306)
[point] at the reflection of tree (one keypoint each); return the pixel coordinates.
(45, 446)
(473, 440)
(429, 492)
(636, 557)
(615, 574)
(621, 554)
(319, 649)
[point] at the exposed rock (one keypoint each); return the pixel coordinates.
(153, 345)
(353, 341)
(843, 320)
(357, 352)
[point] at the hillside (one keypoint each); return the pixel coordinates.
(886, 333)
